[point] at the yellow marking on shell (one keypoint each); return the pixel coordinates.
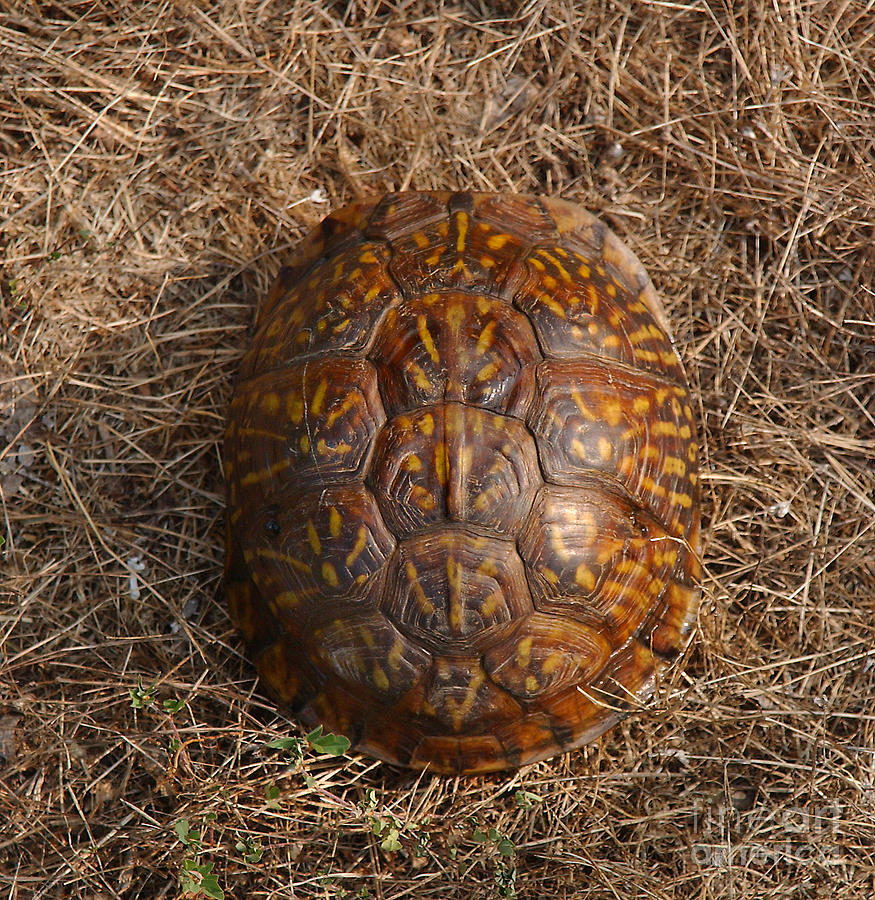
(641, 405)
(524, 652)
(694, 478)
(563, 272)
(381, 682)
(422, 497)
(420, 379)
(612, 341)
(286, 599)
(616, 317)
(692, 450)
(329, 574)
(553, 305)
(674, 465)
(650, 485)
(664, 429)
(426, 424)
(631, 567)
(584, 576)
(650, 451)
(251, 478)
(606, 550)
(553, 662)
(421, 239)
(462, 231)
(426, 338)
(435, 258)
(372, 293)
(455, 318)
(313, 538)
(584, 272)
(549, 575)
(488, 567)
(270, 403)
(422, 601)
(611, 289)
(361, 541)
(585, 411)
(497, 241)
(487, 371)
(454, 582)
(642, 334)
(343, 409)
(612, 412)
(579, 448)
(368, 257)
(278, 556)
(549, 282)
(319, 397)
(412, 463)
(492, 604)
(304, 444)
(356, 274)
(601, 270)
(486, 338)
(396, 655)
(536, 264)
(684, 500)
(334, 521)
(593, 295)
(532, 684)
(487, 262)
(685, 432)
(646, 355)
(340, 449)
(441, 462)
(458, 711)
(606, 448)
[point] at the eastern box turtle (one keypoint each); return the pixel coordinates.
(462, 494)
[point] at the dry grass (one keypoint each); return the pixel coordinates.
(158, 159)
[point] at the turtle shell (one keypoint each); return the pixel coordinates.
(462, 519)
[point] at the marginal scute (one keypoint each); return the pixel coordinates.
(463, 499)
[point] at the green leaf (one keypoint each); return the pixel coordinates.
(390, 843)
(286, 743)
(330, 744)
(181, 829)
(173, 706)
(198, 880)
(526, 799)
(506, 847)
(272, 794)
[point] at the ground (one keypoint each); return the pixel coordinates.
(158, 160)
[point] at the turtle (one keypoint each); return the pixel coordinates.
(463, 522)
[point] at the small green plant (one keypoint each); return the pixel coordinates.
(196, 878)
(141, 696)
(390, 829)
(502, 843)
(526, 799)
(327, 744)
(250, 849)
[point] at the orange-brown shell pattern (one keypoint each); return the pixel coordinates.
(461, 462)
